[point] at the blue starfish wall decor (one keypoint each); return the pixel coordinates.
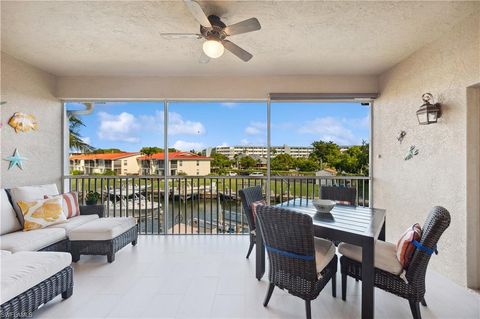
(15, 160)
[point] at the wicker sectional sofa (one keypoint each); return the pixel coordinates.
(49, 250)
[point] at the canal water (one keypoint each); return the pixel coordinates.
(191, 216)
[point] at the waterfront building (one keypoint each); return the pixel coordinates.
(122, 163)
(181, 163)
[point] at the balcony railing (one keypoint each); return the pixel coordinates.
(207, 204)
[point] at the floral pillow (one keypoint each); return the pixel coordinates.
(405, 245)
(42, 213)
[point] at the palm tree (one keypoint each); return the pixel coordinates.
(76, 141)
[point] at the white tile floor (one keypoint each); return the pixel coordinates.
(209, 277)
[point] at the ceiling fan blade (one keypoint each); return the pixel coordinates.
(204, 59)
(198, 13)
(245, 26)
(238, 51)
(172, 36)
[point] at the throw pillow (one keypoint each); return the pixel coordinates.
(254, 206)
(41, 213)
(70, 204)
(405, 246)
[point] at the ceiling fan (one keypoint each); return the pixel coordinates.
(215, 32)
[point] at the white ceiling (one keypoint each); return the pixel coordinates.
(297, 38)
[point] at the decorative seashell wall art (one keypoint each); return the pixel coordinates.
(412, 151)
(23, 122)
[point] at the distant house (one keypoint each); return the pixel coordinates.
(123, 163)
(325, 172)
(180, 163)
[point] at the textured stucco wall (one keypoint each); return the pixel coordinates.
(30, 90)
(437, 175)
(208, 87)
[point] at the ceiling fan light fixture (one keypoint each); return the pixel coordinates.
(213, 48)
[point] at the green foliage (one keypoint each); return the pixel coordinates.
(307, 165)
(75, 139)
(150, 150)
(181, 173)
(106, 151)
(354, 160)
(76, 172)
(247, 162)
(282, 162)
(325, 152)
(92, 196)
(109, 172)
(220, 161)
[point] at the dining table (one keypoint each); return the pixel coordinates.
(356, 225)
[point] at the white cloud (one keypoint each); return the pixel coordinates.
(363, 122)
(244, 141)
(229, 105)
(187, 146)
(121, 128)
(329, 129)
(176, 124)
(224, 144)
(256, 128)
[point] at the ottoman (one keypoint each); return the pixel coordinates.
(103, 236)
(30, 279)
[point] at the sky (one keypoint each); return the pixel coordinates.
(130, 126)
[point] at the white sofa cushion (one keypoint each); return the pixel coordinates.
(8, 218)
(385, 255)
(31, 240)
(102, 228)
(24, 270)
(30, 193)
(324, 252)
(4, 253)
(74, 222)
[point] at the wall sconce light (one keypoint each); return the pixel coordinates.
(428, 113)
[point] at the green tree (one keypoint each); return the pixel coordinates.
(150, 150)
(75, 138)
(220, 161)
(355, 159)
(282, 162)
(326, 152)
(307, 165)
(107, 150)
(247, 162)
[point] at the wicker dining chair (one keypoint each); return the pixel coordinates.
(299, 263)
(249, 196)
(413, 288)
(341, 194)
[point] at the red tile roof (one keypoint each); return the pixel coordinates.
(106, 156)
(175, 156)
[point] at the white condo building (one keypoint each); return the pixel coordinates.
(261, 151)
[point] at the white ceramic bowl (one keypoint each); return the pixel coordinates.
(323, 205)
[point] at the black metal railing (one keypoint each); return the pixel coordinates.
(206, 204)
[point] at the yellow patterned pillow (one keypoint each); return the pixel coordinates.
(42, 213)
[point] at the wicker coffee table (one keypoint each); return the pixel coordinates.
(104, 236)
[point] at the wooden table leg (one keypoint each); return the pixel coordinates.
(368, 273)
(259, 255)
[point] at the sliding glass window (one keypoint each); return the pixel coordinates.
(177, 166)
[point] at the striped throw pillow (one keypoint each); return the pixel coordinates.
(70, 204)
(405, 246)
(254, 207)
